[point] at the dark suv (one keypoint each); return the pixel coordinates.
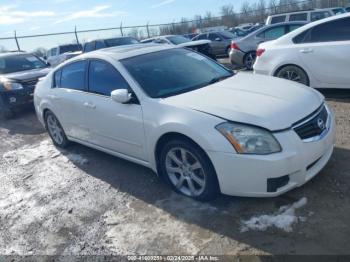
(19, 73)
(105, 43)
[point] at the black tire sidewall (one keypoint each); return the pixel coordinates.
(65, 142)
(211, 190)
(245, 60)
(296, 69)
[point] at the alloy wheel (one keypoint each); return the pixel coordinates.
(185, 172)
(293, 73)
(55, 129)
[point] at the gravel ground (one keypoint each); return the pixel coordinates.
(82, 202)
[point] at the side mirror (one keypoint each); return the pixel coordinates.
(45, 57)
(121, 96)
(48, 64)
(218, 39)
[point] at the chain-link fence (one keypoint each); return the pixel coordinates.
(229, 18)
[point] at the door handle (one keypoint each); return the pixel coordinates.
(89, 105)
(306, 51)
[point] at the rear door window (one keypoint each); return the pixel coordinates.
(201, 37)
(214, 37)
(100, 45)
(278, 19)
(298, 17)
(273, 33)
(104, 78)
(89, 47)
(319, 15)
(73, 76)
(338, 30)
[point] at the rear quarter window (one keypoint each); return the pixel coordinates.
(298, 17)
(56, 81)
(337, 30)
(278, 19)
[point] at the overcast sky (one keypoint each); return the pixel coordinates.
(38, 16)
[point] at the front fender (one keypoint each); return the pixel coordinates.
(201, 130)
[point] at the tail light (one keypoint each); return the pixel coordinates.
(259, 52)
(234, 46)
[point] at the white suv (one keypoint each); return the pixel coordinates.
(317, 54)
(59, 54)
(305, 16)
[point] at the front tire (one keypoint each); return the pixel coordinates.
(293, 73)
(188, 170)
(55, 130)
(5, 112)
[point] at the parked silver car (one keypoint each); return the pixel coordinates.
(243, 51)
(220, 41)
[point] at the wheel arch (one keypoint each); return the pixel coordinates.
(164, 138)
(279, 68)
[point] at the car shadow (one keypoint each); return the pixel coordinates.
(342, 95)
(24, 122)
(223, 216)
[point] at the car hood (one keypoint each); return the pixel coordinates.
(195, 43)
(26, 75)
(268, 102)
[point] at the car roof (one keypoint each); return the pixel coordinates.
(158, 37)
(110, 38)
(126, 51)
(310, 25)
(13, 53)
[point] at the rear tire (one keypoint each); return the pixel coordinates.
(55, 130)
(188, 170)
(249, 60)
(293, 73)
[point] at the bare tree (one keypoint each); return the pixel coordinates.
(228, 15)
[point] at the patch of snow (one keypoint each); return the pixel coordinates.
(29, 154)
(284, 219)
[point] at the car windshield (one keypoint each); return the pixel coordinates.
(177, 40)
(175, 71)
(70, 48)
(18, 63)
(121, 41)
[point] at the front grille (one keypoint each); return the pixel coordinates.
(313, 126)
(29, 85)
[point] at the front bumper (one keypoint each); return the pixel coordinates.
(17, 99)
(251, 176)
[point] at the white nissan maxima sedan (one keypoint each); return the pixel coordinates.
(191, 120)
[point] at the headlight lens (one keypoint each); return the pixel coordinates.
(9, 86)
(249, 139)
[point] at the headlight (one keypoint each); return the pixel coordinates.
(9, 86)
(249, 139)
